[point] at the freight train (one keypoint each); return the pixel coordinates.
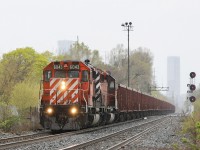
(76, 95)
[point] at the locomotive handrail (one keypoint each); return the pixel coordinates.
(86, 107)
(40, 95)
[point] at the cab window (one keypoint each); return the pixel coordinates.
(112, 85)
(60, 74)
(73, 74)
(47, 75)
(84, 76)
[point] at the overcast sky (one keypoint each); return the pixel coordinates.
(166, 27)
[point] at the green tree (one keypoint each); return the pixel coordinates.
(80, 51)
(21, 71)
(118, 56)
(5, 112)
(96, 59)
(141, 61)
(118, 62)
(24, 95)
(48, 55)
(17, 66)
(36, 70)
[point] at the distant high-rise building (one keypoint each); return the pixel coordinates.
(64, 46)
(173, 78)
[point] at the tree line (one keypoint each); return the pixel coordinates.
(21, 72)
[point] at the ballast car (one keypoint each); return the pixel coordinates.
(76, 95)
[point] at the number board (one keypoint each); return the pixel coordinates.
(74, 67)
(58, 66)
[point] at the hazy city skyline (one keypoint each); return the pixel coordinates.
(173, 80)
(166, 27)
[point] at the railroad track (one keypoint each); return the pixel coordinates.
(24, 140)
(11, 142)
(139, 131)
(22, 137)
(134, 137)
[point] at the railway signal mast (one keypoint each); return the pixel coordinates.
(191, 87)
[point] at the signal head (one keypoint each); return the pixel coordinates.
(192, 99)
(192, 87)
(192, 74)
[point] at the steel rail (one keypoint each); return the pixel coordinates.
(90, 142)
(22, 137)
(31, 139)
(134, 138)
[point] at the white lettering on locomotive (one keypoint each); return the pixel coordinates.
(58, 66)
(74, 67)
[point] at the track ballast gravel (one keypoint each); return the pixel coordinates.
(163, 138)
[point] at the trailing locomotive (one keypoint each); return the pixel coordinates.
(77, 95)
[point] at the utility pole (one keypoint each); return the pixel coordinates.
(128, 27)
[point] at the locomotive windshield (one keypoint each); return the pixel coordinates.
(73, 74)
(60, 74)
(112, 85)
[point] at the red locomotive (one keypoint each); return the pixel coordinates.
(76, 95)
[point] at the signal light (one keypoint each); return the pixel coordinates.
(192, 74)
(192, 99)
(192, 87)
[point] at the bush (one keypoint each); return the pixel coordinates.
(192, 128)
(16, 124)
(9, 123)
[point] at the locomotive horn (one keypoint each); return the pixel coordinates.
(87, 61)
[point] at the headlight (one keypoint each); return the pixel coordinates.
(49, 111)
(63, 85)
(74, 110)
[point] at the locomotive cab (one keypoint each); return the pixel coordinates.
(75, 95)
(64, 94)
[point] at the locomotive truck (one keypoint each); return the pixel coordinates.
(76, 95)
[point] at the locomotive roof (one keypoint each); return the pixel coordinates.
(88, 65)
(68, 61)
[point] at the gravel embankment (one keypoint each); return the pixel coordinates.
(81, 138)
(163, 138)
(10, 135)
